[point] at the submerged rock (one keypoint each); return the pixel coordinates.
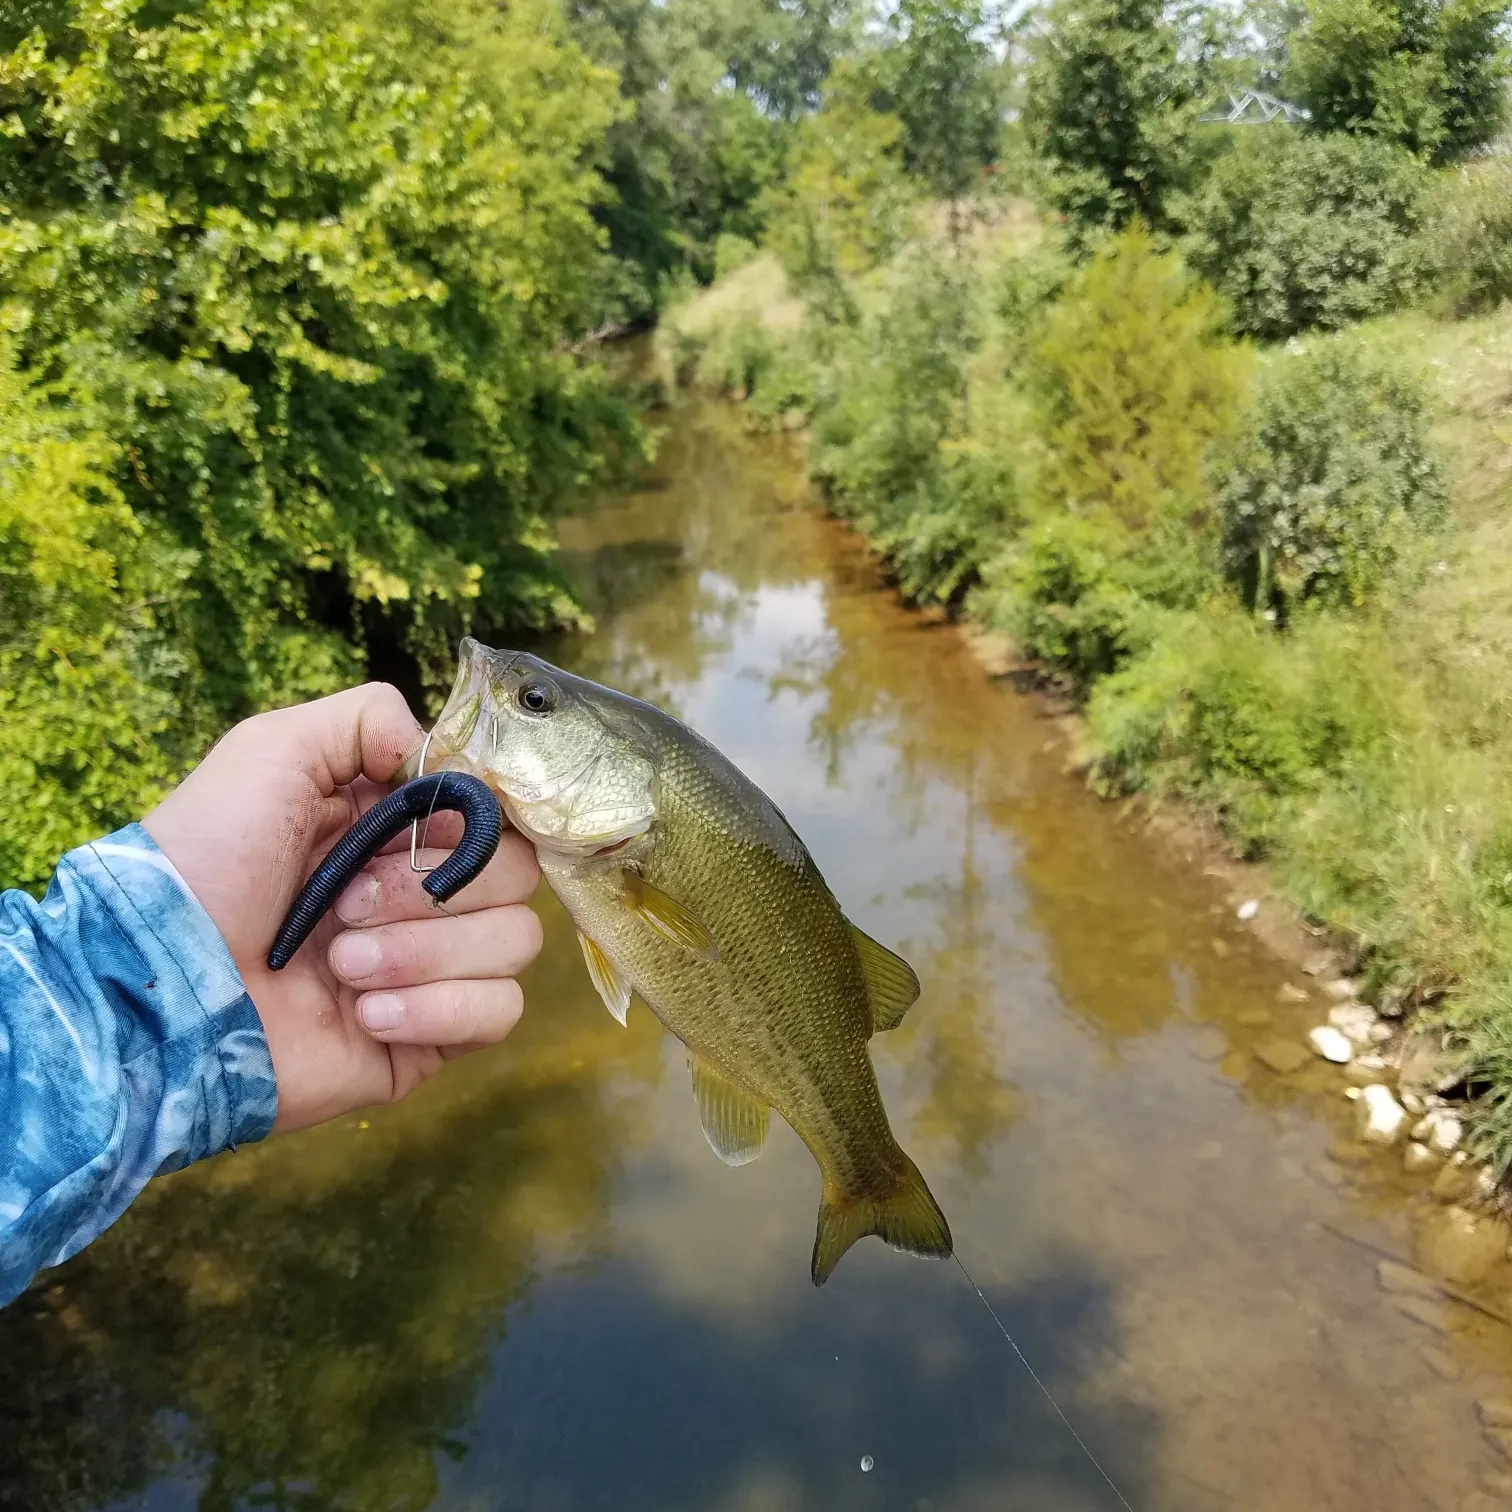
(1341, 989)
(1291, 994)
(1418, 1158)
(1382, 1118)
(1281, 1056)
(1365, 1069)
(1442, 1364)
(1253, 1018)
(1331, 1044)
(1403, 1281)
(1425, 1310)
(1453, 1182)
(1459, 1245)
(1495, 1412)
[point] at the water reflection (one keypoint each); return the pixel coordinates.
(532, 1286)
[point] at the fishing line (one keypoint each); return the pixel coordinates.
(1034, 1376)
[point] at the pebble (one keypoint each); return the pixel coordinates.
(1291, 994)
(1331, 1044)
(1354, 1020)
(1495, 1412)
(1382, 1118)
(1412, 1102)
(1424, 1310)
(1209, 1043)
(1418, 1158)
(1365, 1069)
(1442, 1364)
(1253, 1018)
(1348, 1152)
(1447, 1133)
(1341, 989)
(1460, 1245)
(1403, 1281)
(1248, 909)
(1318, 964)
(1380, 1033)
(1281, 1056)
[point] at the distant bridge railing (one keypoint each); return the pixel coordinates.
(1252, 107)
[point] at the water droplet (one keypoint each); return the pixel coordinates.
(867, 1462)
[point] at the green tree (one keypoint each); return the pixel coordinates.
(1427, 74)
(942, 84)
(1136, 385)
(1113, 92)
(302, 286)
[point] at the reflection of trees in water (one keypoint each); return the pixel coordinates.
(306, 1324)
(860, 692)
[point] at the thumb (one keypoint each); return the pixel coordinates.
(362, 732)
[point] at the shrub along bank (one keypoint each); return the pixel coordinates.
(1275, 576)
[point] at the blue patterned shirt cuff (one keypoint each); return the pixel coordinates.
(128, 1047)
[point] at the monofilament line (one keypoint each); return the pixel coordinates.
(1033, 1376)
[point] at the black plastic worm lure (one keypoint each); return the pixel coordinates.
(482, 825)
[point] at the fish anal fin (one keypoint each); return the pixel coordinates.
(734, 1122)
(905, 1216)
(890, 981)
(606, 977)
(672, 920)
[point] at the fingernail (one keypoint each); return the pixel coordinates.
(382, 1010)
(360, 900)
(355, 957)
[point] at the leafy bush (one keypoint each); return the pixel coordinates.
(1230, 713)
(1136, 383)
(1299, 230)
(1470, 237)
(1334, 483)
(312, 280)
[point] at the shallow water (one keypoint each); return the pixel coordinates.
(533, 1287)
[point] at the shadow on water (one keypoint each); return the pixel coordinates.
(531, 1288)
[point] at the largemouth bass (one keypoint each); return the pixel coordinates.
(689, 887)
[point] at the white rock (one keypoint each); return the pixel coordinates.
(1354, 1020)
(1331, 1044)
(1380, 1033)
(1341, 989)
(1447, 1133)
(1382, 1117)
(1352, 1093)
(1248, 909)
(1413, 1103)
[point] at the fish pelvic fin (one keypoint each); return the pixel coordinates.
(607, 979)
(906, 1216)
(890, 981)
(734, 1123)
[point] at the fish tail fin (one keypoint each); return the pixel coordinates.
(905, 1216)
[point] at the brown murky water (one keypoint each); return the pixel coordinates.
(533, 1287)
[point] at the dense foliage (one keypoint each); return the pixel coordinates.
(1429, 75)
(286, 296)
(1299, 230)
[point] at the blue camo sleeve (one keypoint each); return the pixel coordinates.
(128, 1047)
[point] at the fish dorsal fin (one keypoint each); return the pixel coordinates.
(669, 918)
(612, 987)
(890, 981)
(734, 1123)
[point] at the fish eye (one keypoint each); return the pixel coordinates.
(537, 698)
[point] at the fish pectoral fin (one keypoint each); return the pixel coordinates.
(734, 1123)
(890, 981)
(611, 985)
(669, 918)
(904, 1215)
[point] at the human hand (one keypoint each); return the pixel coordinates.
(362, 1014)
